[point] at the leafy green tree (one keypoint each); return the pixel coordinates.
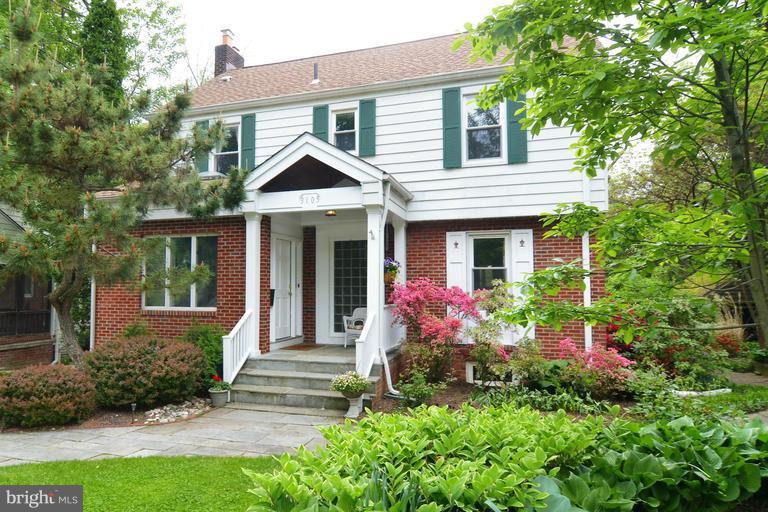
(689, 76)
(105, 45)
(85, 171)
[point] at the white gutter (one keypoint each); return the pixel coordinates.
(489, 72)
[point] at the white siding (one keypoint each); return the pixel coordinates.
(409, 146)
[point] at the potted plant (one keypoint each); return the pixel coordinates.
(352, 385)
(391, 269)
(760, 357)
(219, 391)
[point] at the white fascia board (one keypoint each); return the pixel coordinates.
(307, 144)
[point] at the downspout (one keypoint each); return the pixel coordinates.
(92, 330)
(382, 352)
(586, 263)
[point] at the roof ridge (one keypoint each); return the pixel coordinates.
(345, 51)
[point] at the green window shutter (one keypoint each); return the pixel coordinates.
(201, 161)
(367, 127)
(517, 138)
(248, 141)
(452, 128)
(320, 122)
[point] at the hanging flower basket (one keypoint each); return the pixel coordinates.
(389, 277)
(391, 269)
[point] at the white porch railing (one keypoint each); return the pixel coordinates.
(394, 332)
(237, 346)
(367, 346)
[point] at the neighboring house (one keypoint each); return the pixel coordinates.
(357, 156)
(25, 316)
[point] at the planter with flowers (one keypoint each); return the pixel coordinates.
(391, 269)
(352, 385)
(219, 391)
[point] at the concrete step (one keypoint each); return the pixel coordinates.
(289, 396)
(318, 364)
(284, 409)
(292, 379)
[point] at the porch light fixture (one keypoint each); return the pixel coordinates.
(330, 213)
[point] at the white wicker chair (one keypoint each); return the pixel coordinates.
(353, 325)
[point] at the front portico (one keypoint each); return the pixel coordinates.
(318, 223)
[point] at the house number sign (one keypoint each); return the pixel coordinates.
(309, 200)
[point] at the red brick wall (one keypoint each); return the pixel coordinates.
(20, 351)
(119, 305)
(265, 277)
(308, 284)
(426, 258)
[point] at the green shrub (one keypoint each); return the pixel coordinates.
(672, 466)
(505, 458)
(468, 460)
(415, 390)
(544, 401)
(145, 371)
(45, 395)
(208, 338)
(741, 364)
(533, 370)
(436, 363)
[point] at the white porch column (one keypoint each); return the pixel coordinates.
(400, 247)
(252, 275)
(375, 283)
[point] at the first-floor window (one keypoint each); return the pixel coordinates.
(182, 253)
(488, 260)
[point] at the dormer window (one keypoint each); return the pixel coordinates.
(344, 130)
(227, 153)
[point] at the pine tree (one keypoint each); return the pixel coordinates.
(64, 146)
(105, 45)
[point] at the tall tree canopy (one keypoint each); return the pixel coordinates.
(105, 45)
(688, 75)
(65, 145)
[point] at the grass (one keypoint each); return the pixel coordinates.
(159, 484)
(744, 397)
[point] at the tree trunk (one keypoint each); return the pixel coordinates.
(68, 341)
(743, 178)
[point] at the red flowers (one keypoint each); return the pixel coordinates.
(216, 378)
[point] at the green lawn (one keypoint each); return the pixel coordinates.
(157, 484)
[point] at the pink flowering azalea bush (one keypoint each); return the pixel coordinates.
(435, 317)
(599, 372)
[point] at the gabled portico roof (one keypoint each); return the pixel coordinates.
(308, 145)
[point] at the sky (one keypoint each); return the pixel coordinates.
(277, 30)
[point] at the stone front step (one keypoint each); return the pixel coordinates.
(292, 379)
(289, 396)
(320, 364)
(284, 409)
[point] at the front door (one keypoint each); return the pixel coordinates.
(282, 252)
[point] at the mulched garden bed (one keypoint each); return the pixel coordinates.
(456, 394)
(102, 418)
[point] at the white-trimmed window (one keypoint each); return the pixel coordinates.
(227, 153)
(483, 133)
(488, 260)
(345, 130)
(183, 252)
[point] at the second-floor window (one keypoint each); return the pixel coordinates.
(227, 153)
(483, 132)
(344, 130)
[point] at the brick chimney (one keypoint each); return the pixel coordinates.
(227, 56)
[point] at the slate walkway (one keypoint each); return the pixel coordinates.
(221, 432)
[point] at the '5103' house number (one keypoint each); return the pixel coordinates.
(309, 200)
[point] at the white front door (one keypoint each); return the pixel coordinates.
(282, 252)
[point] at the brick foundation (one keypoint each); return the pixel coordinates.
(426, 258)
(20, 351)
(119, 305)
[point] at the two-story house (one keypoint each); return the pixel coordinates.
(356, 156)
